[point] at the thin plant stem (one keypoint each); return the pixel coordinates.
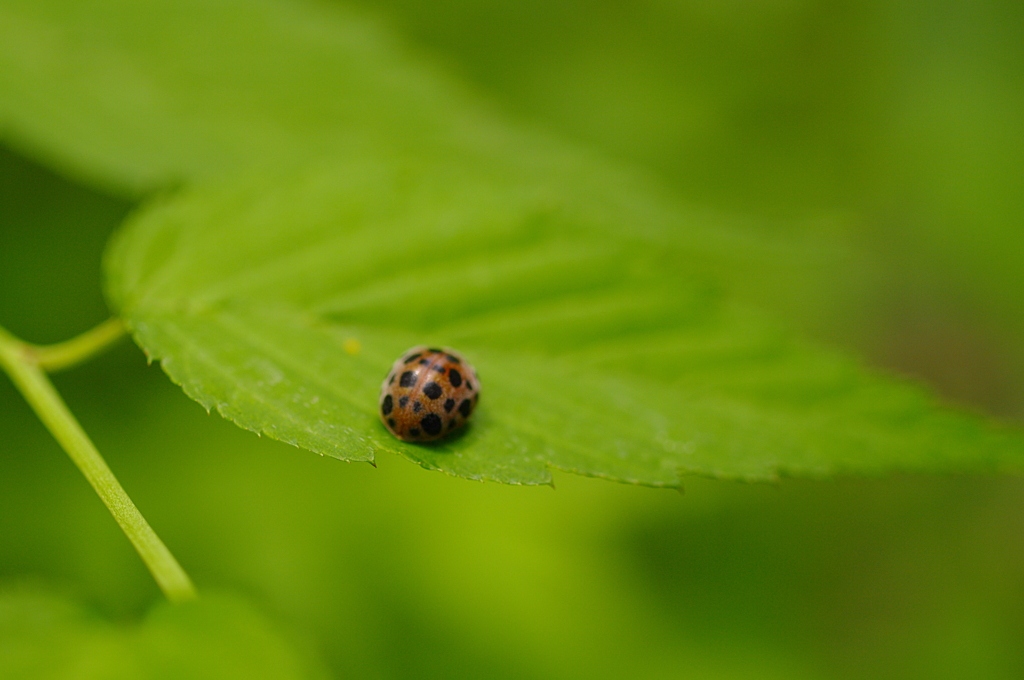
(18, 360)
(63, 355)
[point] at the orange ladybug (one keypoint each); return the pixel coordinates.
(428, 393)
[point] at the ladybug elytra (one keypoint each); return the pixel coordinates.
(428, 393)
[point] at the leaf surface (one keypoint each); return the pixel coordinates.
(340, 194)
(600, 350)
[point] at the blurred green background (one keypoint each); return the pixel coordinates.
(893, 129)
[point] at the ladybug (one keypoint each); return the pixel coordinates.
(428, 393)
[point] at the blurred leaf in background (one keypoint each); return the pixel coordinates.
(394, 573)
(43, 634)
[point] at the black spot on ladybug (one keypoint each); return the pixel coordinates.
(439, 368)
(435, 351)
(449, 404)
(417, 407)
(408, 379)
(465, 408)
(454, 377)
(424, 361)
(387, 405)
(391, 380)
(412, 357)
(433, 390)
(453, 359)
(469, 385)
(414, 432)
(391, 422)
(402, 402)
(431, 423)
(452, 423)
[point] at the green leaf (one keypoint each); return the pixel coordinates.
(139, 96)
(338, 191)
(45, 635)
(601, 351)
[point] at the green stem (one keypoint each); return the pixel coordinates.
(76, 350)
(19, 360)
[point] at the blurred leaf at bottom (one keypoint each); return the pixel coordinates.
(45, 635)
